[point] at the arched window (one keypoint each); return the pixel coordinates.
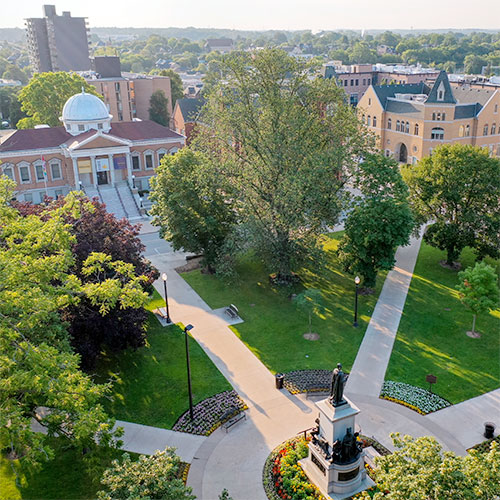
(493, 129)
(444, 116)
(416, 129)
(398, 126)
(173, 150)
(369, 121)
(55, 170)
(485, 129)
(461, 131)
(24, 172)
(437, 134)
(374, 121)
(407, 128)
(389, 123)
(363, 119)
(8, 170)
(467, 130)
(161, 153)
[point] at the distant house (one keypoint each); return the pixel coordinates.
(385, 49)
(221, 45)
(186, 115)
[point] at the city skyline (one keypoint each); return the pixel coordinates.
(316, 15)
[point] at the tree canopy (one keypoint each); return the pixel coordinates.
(45, 95)
(158, 108)
(458, 189)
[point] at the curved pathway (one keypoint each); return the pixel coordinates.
(234, 460)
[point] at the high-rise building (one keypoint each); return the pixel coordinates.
(58, 43)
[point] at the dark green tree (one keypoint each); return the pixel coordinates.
(458, 189)
(176, 86)
(158, 108)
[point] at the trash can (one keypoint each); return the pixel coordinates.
(489, 428)
(279, 377)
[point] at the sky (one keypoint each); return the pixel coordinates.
(267, 14)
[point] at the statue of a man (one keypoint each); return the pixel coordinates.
(337, 387)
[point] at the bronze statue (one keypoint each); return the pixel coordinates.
(337, 387)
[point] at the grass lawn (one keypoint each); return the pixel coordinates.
(432, 334)
(150, 385)
(273, 326)
(64, 477)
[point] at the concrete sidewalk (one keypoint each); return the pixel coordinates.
(368, 372)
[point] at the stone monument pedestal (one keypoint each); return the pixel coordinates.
(335, 463)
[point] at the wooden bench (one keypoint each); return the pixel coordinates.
(229, 418)
(232, 311)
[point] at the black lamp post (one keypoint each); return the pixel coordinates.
(164, 278)
(357, 281)
(186, 330)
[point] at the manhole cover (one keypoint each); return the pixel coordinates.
(311, 336)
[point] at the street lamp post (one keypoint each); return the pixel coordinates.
(164, 278)
(356, 281)
(186, 330)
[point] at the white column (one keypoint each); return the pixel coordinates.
(94, 171)
(77, 176)
(129, 170)
(111, 169)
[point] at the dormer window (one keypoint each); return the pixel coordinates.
(440, 95)
(81, 128)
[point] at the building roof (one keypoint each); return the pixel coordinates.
(441, 82)
(469, 95)
(190, 108)
(85, 108)
(385, 91)
(467, 111)
(220, 42)
(45, 138)
(404, 107)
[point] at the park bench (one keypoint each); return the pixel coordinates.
(230, 418)
(232, 311)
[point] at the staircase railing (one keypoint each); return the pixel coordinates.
(121, 201)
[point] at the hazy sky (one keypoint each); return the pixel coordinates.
(268, 14)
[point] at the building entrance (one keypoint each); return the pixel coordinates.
(403, 153)
(102, 178)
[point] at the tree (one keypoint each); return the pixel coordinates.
(158, 108)
(39, 375)
(176, 87)
(45, 95)
(310, 301)
(458, 188)
(154, 476)
(473, 64)
(286, 144)
(191, 206)
(420, 469)
(478, 289)
(380, 220)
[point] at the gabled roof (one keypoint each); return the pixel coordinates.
(143, 130)
(404, 107)
(443, 82)
(329, 72)
(385, 91)
(190, 108)
(467, 111)
(469, 95)
(35, 138)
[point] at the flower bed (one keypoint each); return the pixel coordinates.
(299, 381)
(211, 413)
(415, 398)
(283, 478)
(484, 446)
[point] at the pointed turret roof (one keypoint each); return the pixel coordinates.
(442, 84)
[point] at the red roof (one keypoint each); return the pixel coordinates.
(43, 138)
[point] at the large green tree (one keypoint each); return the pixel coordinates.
(158, 108)
(457, 189)
(420, 469)
(380, 219)
(191, 206)
(45, 95)
(176, 87)
(287, 144)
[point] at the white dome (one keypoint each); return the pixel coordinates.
(85, 108)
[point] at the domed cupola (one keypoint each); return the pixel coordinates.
(83, 112)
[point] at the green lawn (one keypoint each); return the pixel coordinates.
(64, 477)
(273, 327)
(432, 338)
(151, 383)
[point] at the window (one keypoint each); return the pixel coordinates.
(398, 126)
(39, 172)
(389, 124)
(148, 157)
(136, 162)
(433, 116)
(369, 101)
(99, 126)
(363, 119)
(174, 150)
(415, 132)
(117, 86)
(345, 83)
(374, 121)
(439, 117)
(364, 81)
(161, 154)
(369, 121)
(368, 81)
(461, 131)
(440, 95)
(357, 82)
(496, 109)
(444, 116)
(493, 129)
(8, 171)
(407, 128)
(467, 130)
(437, 134)
(28, 197)
(81, 128)
(415, 149)
(55, 171)
(485, 129)
(24, 173)
(352, 83)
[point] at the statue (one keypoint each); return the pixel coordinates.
(350, 447)
(337, 387)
